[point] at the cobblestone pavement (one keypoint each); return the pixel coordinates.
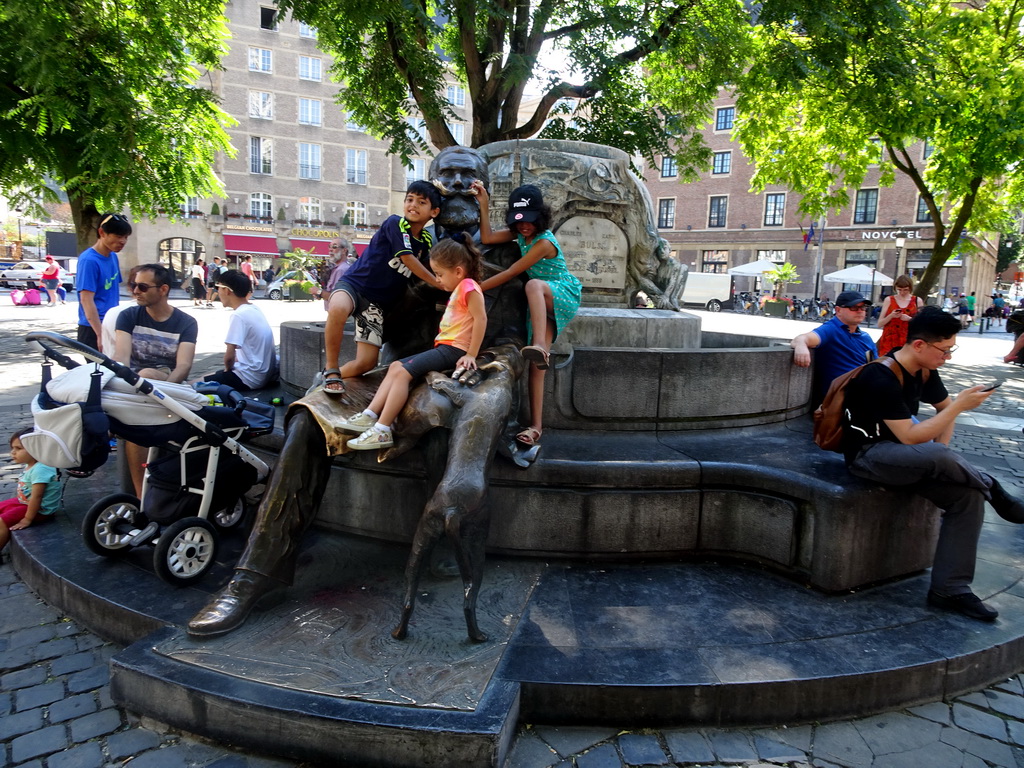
(56, 710)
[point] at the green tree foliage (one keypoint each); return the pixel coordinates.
(781, 276)
(838, 87)
(644, 71)
(106, 99)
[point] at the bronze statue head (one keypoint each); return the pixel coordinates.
(452, 171)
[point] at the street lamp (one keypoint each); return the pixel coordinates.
(901, 240)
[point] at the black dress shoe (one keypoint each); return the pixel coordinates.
(1007, 505)
(967, 604)
(230, 607)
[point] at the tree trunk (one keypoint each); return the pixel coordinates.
(86, 218)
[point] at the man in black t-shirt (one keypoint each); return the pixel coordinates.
(884, 442)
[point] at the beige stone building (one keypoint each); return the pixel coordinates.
(302, 173)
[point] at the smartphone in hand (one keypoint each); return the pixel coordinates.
(990, 387)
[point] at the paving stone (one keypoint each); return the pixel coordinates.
(38, 696)
(897, 732)
(89, 679)
(23, 678)
(74, 706)
(1016, 730)
(23, 611)
(688, 747)
(977, 699)
(529, 751)
(1006, 703)
(105, 699)
(83, 756)
(32, 636)
(168, 757)
(20, 722)
(936, 711)
(6, 703)
(96, 724)
(229, 761)
(568, 741)
(1011, 685)
(982, 723)
(603, 756)
(62, 646)
(128, 743)
(843, 743)
(795, 736)
(68, 628)
(76, 662)
(931, 755)
(38, 743)
(990, 750)
(731, 746)
(16, 658)
(642, 749)
(954, 736)
(88, 642)
(769, 749)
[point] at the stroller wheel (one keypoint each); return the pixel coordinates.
(231, 515)
(110, 524)
(185, 551)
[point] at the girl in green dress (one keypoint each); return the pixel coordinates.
(552, 291)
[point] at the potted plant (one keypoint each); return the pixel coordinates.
(778, 305)
(299, 290)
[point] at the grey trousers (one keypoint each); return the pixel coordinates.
(947, 480)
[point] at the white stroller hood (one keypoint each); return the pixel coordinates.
(120, 400)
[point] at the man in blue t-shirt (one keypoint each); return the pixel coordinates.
(840, 343)
(98, 276)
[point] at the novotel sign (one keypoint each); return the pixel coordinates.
(887, 234)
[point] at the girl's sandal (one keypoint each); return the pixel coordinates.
(537, 356)
(333, 384)
(529, 437)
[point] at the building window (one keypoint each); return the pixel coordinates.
(355, 166)
(458, 131)
(456, 95)
(866, 209)
(268, 18)
(668, 167)
(777, 257)
(724, 117)
(722, 163)
(717, 210)
(261, 155)
(309, 208)
(261, 105)
(310, 111)
(261, 205)
(261, 60)
(356, 214)
(310, 68)
(667, 213)
(352, 125)
(418, 127)
(309, 161)
(714, 262)
(305, 30)
(876, 151)
(190, 204)
(418, 172)
(923, 214)
(774, 209)
(928, 149)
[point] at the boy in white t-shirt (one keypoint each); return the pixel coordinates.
(250, 361)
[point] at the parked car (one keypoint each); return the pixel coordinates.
(29, 274)
(277, 289)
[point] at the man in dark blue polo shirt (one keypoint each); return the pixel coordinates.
(841, 344)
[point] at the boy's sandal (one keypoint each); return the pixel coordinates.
(529, 436)
(333, 384)
(537, 356)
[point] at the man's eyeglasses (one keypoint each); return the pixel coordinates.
(946, 352)
(221, 287)
(140, 287)
(858, 308)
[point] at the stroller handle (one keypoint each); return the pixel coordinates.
(47, 338)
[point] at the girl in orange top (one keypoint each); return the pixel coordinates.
(456, 264)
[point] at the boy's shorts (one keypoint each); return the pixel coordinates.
(367, 316)
(440, 358)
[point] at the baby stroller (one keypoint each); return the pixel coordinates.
(197, 470)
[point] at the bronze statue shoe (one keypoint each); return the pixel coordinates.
(229, 609)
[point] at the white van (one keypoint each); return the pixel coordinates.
(710, 291)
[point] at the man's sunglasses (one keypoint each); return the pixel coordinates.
(140, 287)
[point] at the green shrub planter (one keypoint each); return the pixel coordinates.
(776, 308)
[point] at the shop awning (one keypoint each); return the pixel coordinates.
(360, 247)
(319, 247)
(250, 244)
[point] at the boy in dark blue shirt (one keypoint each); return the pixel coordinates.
(376, 281)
